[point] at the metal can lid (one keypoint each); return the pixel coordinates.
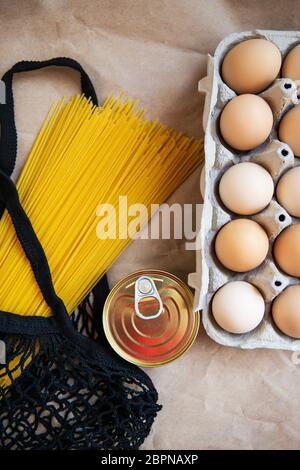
(148, 318)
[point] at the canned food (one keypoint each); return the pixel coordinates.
(149, 319)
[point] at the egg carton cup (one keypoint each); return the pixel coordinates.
(274, 156)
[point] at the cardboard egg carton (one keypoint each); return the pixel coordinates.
(273, 155)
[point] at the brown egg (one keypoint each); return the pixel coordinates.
(241, 245)
(291, 64)
(238, 307)
(251, 66)
(246, 188)
(246, 122)
(287, 250)
(286, 311)
(288, 191)
(288, 131)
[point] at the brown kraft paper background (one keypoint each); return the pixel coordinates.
(213, 397)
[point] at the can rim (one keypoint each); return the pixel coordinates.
(127, 356)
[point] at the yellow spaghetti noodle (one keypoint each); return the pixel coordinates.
(83, 156)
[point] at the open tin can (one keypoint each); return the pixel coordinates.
(148, 318)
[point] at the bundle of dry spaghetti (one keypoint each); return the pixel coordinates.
(85, 156)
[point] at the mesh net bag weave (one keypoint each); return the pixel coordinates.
(64, 386)
(68, 399)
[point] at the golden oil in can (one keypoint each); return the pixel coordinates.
(149, 319)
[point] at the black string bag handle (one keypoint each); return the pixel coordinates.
(8, 155)
(8, 142)
(96, 399)
(11, 322)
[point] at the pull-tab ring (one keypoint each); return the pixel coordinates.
(145, 287)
